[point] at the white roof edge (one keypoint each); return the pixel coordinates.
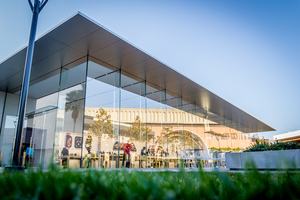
(287, 135)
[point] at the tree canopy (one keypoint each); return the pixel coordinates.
(102, 123)
(139, 130)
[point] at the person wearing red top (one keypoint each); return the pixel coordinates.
(126, 156)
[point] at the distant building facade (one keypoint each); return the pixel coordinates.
(292, 136)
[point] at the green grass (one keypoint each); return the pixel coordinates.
(90, 184)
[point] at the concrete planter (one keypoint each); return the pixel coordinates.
(270, 160)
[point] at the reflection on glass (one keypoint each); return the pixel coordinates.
(38, 138)
(39, 127)
(134, 131)
(69, 123)
(101, 122)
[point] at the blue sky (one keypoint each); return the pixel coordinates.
(247, 52)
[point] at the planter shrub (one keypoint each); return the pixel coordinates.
(263, 146)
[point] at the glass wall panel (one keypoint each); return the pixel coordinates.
(69, 122)
(2, 104)
(157, 148)
(8, 132)
(40, 119)
(101, 123)
(134, 132)
(176, 139)
(73, 74)
(43, 92)
(42, 97)
(188, 138)
(38, 138)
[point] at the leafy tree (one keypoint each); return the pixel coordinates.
(139, 131)
(166, 131)
(74, 104)
(102, 124)
(164, 137)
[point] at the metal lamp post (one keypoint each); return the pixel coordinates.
(36, 8)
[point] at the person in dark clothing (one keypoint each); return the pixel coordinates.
(64, 159)
(144, 151)
(143, 158)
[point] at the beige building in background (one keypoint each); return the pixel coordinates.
(213, 135)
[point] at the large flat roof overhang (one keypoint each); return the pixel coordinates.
(79, 36)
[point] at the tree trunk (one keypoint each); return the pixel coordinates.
(74, 125)
(99, 150)
(99, 143)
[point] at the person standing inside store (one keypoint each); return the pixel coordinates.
(143, 156)
(126, 156)
(29, 156)
(64, 157)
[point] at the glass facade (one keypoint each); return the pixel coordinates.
(88, 114)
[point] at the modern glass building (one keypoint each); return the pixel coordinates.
(97, 101)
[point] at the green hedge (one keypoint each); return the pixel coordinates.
(263, 146)
(225, 149)
(149, 185)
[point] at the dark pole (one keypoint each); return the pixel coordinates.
(36, 9)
